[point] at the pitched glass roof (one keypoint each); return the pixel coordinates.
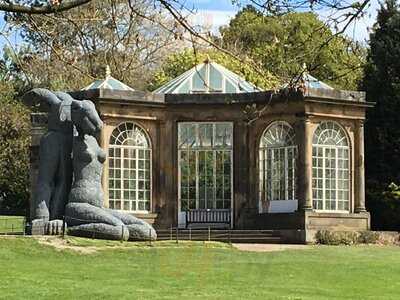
(314, 83)
(109, 83)
(208, 77)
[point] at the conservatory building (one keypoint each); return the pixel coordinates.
(209, 148)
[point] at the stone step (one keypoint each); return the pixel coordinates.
(149, 218)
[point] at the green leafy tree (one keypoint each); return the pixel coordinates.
(283, 44)
(14, 152)
(382, 84)
(178, 63)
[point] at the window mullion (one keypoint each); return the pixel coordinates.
(223, 177)
(197, 179)
(137, 179)
(268, 185)
(336, 179)
(215, 178)
(323, 178)
(286, 173)
(272, 174)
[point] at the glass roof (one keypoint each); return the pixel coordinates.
(314, 83)
(109, 83)
(208, 77)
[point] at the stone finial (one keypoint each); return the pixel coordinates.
(108, 71)
(305, 69)
(207, 60)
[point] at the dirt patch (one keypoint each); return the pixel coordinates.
(61, 244)
(269, 247)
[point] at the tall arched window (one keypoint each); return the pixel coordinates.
(278, 153)
(330, 168)
(129, 174)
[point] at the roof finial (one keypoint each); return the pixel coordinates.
(207, 60)
(108, 71)
(304, 68)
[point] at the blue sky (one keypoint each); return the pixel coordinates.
(219, 12)
(215, 13)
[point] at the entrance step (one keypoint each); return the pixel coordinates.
(149, 218)
(222, 235)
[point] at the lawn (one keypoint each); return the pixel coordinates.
(11, 224)
(29, 270)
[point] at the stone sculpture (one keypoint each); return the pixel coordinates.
(84, 212)
(55, 167)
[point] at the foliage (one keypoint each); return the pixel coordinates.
(382, 135)
(14, 152)
(32, 270)
(368, 237)
(283, 44)
(72, 48)
(178, 63)
(326, 237)
(384, 207)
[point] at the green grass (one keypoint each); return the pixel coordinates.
(11, 224)
(29, 270)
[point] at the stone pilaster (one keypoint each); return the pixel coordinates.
(304, 165)
(359, 171)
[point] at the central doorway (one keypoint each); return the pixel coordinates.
(205, 166)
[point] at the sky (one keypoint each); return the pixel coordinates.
(216, 13)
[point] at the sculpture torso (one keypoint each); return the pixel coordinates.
(88, 159)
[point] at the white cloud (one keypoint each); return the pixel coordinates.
(212, 19)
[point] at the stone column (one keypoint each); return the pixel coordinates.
(359, 171)
(103, 142)
(304, 165)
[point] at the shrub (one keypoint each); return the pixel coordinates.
(368, 237)
(326, 237)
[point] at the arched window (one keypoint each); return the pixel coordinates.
(278, 151)
(330, 168)
(129, 174)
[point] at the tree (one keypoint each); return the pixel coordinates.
(341, 15)
(71, 49)
(178, 63)
(41, 7)
(14, 152)
(282, 45)
(382, 84)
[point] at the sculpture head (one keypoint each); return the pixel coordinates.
(65, 111)
(85, 117)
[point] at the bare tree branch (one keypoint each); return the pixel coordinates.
(40, 10)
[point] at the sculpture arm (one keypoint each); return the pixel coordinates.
(40, 96)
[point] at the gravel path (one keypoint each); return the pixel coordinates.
(269, 247)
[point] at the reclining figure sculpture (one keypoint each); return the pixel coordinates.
(84, 212)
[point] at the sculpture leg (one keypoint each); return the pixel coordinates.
(86, 220)
(48, 164)
(138, 229)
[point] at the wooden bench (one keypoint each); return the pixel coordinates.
(204, 216)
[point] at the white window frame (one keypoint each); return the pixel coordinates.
(136, 189)
(264, 168)
(263, 165)
(324, 148)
